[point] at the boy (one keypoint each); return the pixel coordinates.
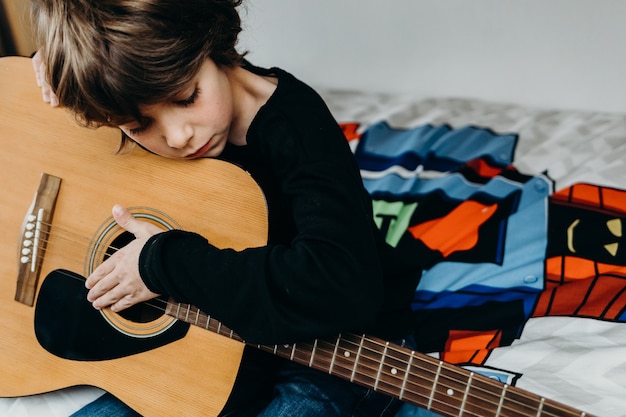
(167, 73)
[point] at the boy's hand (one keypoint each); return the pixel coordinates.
(116, 282)
(40, 76)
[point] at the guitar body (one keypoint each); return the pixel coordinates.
(154, 364)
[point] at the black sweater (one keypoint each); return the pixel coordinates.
(326, 268)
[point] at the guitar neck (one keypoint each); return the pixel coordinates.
(401, 373)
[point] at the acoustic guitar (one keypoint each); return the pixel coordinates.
(59, 182)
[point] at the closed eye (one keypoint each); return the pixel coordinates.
(139, 129)
(190, 100)
(136, 131)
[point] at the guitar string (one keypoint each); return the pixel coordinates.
(103, 252)
(72, 238)
(409, 396)
(451, 368)
(472, 393)
(411, 389)
(188, 311)
(473, 390)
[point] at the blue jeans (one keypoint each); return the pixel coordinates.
(106, 406)
(408, 410)
(268, 386)
(109, 406)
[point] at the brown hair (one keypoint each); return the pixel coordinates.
(105, 58)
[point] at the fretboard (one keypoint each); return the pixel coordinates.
(401, 373)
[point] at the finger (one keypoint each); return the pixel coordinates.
(123, 217)
(36, 66)
(99, 273)
(40, 77)
(109, 292)
(101, 289)
(131, 298)
(122, 304)
(45, 93)
(126, 220)
(121, 297)
(48, 94)
(54, 102)
(107, 299)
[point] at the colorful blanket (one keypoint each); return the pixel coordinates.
(522, 281)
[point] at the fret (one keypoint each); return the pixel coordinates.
(302, 353)
(380, 367)
(467, 388)
(178, 310)
(344, 356)
(406, 376)
(293, 352)
(306, 354)
(449, 390)
(195, 316)
(324, 356)
(368, 369)
(483, 396)
(525, 404)
(356, 359)
(296, 352)
(313, 351)
(332, 362)
(540, 408)
(432, 392)
(284, 350)
(502, 396)
(196, 322)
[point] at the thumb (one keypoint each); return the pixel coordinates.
(127, 221)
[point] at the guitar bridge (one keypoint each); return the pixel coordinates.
(33, 238)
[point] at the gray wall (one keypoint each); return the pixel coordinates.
(563, 53)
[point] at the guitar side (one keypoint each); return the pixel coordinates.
(192, 375)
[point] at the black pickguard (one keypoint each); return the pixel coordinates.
(67, 326)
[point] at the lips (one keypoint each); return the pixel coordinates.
(200, 152)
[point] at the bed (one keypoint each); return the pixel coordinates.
(569, 345)
(518, 185)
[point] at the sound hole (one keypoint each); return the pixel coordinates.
(142, 312)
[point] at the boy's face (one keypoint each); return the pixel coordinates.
(196, 124)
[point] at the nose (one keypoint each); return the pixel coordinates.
(177, 134)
